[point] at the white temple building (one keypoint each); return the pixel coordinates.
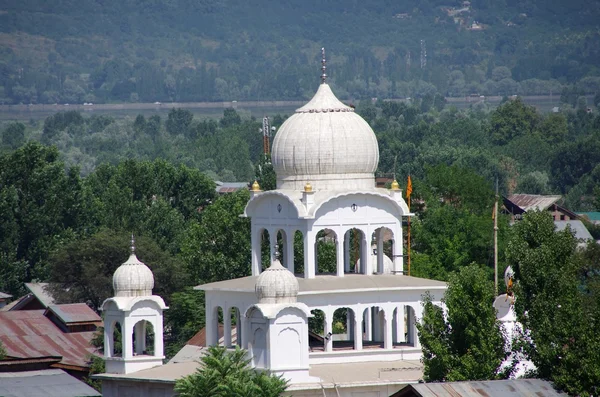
(325, 156)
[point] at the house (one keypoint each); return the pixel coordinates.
(230, 187)
(517, 204)
(372, 306)
(579, 230)
(57, 337)
(488, 388)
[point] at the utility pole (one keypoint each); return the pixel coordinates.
(496, 241)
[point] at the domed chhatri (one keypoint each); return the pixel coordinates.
(276, 285)
(133, 278)
(327, 143)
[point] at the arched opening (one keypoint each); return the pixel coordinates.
(410, 326)
(355, 251)
(236, 327)
(381, 251)
(143, 338)
(298, 253)
(316, 330)
(399, 327)
(282, 247)
(116, 345)
(326, 252)
(343, 329)
(374, 327)
(265, 249)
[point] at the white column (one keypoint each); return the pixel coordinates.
(368, 324)
(159, 347)
(347, 251)
(211, 334)
(388, 316)
(309, 254)
(328, 329)
(366, 266)
(226, 327)
(109, 347)
(238, 327)
(339, 252)
(256, 248)
(358, 332)
(127, 338)
(272, 243)
(379, 237)
(244, 325)
(418, 314)
(397, 250)
(289, 249)
(399, 325)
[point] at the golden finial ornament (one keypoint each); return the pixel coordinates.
(308, 187)
(395, 185)
(255, 186)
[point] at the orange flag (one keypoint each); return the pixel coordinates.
(408, 188)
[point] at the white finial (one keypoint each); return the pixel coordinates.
(323, 67)
(276, 251)
(132, 245)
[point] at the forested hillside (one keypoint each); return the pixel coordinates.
(184, 50)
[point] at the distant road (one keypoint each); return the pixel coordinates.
(36, 111)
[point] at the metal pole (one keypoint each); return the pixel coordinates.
(408, 237)
(496, 241)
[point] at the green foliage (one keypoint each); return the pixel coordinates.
(265, 174)
(218, 247)
(226, 373)
(97, 366)
(179, 121)
(468, 344)
(511, 120)
(557, 298)
(184, 318)
(2, 351)
(13, 135)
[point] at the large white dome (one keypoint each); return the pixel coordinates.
(133, 278)
(327, 144)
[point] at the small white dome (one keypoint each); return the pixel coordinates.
(133, 278)
(276, 285)
(327, 144)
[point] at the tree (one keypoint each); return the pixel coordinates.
(179, 121)
(468, 343)
(265, 174)
(230, 118)
(513, 119)
(226, 373)
(557, 298)
(13, 135)
(218, 247)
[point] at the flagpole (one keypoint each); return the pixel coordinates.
(408, 193)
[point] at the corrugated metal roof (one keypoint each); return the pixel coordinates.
(490, 388)
(39, 290)
(75, 313)
(46, 383)
(530, 202)
(577, 226)
(30, 334)
(592, 216)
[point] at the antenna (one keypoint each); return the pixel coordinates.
(323, 66)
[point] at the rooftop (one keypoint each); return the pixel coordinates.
(30, 334)
(46, 383)
(334, 284)
(75, 313)
(530, 202)
(581, 232)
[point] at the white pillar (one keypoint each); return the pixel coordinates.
(328, 329)
(127, 338)
(159, 343)
(379, 237)
(212, 337)
(309, 254)
(256, 248)
(366, 265)
(347, 251)
(388, 316)
(397, 250)
(399, 325)
(289, 249)
(226, 327)
(418, 314)
(358, 333)
(339, 253)
(368, 324)
(109, 346)
(238, 327)
(272, 243)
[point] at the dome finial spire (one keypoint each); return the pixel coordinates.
(276, 251)
(132, 248)
(323, 67)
